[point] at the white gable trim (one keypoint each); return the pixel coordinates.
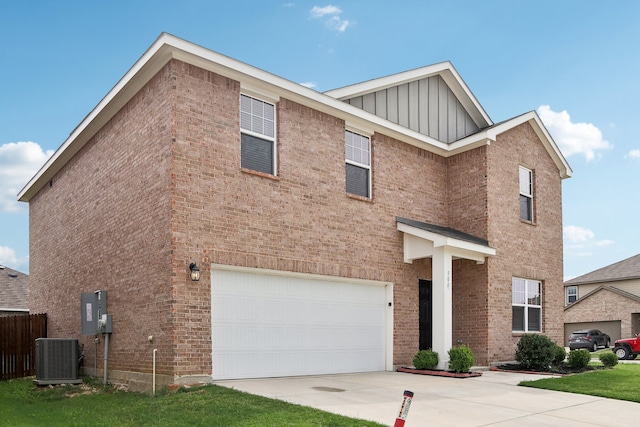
(444, 69)
(489, 135)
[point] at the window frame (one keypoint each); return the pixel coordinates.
(572, 294)
(527, 193)
(353, 162)
(260, 135)
(526, 305)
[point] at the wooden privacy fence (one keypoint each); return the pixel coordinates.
(18, 344)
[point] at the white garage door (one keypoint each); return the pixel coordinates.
(268, 324)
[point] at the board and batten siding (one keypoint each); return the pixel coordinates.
(427, 106)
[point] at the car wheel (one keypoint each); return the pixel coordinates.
(594, 347)
(632, 357)
(608, 344)
(622, 353)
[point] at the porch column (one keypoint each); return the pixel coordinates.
(442, 304)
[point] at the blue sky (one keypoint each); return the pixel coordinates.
(576, 62)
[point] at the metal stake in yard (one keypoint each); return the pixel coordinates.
(404, 408)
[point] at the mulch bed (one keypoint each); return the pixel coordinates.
(557, 370)
(440, 373)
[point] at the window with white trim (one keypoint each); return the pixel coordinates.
(258, 135)
(526, 305)
(526, 194)
(572, 294)
(358, 164)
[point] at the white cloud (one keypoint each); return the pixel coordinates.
(575, 234)
(310, 85)
(334, 22)
(319, 12)
(7, 256)
(633, 154)
(9, 259)
(573, 138)
(290, 4)
(19, 161)
(605, 242)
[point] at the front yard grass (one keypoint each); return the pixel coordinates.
(22, 403)
(620, 382)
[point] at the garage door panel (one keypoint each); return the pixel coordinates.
(270, 325)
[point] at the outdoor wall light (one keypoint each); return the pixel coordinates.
(195, 272)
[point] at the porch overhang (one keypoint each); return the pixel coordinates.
(421, 240)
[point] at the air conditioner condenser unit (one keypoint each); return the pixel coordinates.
(57, 361)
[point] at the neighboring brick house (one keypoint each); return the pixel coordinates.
(336, 232)
(14, 292)
(607, 299)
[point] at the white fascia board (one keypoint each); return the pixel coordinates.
(457, 247)
(151, 61)
(489, 135)
(386, 82)
(167, 47)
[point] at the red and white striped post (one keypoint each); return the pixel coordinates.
(404, 408)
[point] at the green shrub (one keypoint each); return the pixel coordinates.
(579, 359)
(609, 359)
(535, 351)
(559, 355)
(426, 359)
(461, 358)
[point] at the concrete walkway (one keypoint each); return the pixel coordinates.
(494, 399)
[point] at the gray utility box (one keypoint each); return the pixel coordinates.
(57, 361)
(93, 309)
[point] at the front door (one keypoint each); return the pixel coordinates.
(425, 299)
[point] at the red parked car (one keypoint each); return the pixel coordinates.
(627, 348)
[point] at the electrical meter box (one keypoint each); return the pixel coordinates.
(93, 308)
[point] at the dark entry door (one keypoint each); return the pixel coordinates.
(425, 313)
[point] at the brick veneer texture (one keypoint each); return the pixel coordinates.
(160, 185)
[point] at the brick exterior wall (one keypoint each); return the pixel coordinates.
(161, 186)
(523, 249)
(104, 223)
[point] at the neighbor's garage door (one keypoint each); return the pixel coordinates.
(270, 325)
(611, 328)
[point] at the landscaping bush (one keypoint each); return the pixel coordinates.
(461, 358)
(535, 351)
(579, 359)
(609, 359)
(559, 355)
(426, 359)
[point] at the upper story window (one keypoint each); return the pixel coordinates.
(572, 294)
(358, 163)
(526, 194)
(526, 305)
(258, 135)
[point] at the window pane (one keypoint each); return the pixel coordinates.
(257, 116)
(517, 293)
(534, 321)
(517, 322)
(357, 148)
(533, 292)
(357, 180)
(256, 154)
(525, 181)
(525, 208)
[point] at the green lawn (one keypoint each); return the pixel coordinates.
(24, 404)
(620, 382)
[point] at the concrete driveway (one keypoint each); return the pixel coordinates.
(492, 399)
